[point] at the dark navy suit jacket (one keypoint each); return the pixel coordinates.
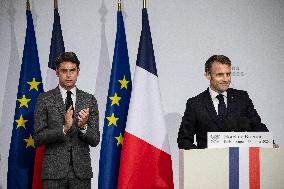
(200, 117)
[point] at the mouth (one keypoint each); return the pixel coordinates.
(224, 84)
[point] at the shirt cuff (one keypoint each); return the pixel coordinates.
(63, 131)
(84, 129)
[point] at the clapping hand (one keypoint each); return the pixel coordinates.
(83, 117)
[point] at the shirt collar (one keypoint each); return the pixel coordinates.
(214, 94)
(64, 91)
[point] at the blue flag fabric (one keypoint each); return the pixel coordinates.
(56, 48)
(57, 43)
(146, 55)
(119, 93)
(22, 148)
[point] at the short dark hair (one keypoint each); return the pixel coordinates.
(216, 58)
(67, 57)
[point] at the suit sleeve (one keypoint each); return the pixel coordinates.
(187, 128)
(92, 135)
(43, 133)
(253, 116)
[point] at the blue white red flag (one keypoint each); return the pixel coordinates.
(145, 158)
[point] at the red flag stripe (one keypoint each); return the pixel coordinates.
(37, 181)
(144, 166)
(254, 168)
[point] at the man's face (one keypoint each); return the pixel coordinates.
(67, 72)
(219, 77)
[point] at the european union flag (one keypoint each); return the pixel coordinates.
(22, 148)
(119, 93)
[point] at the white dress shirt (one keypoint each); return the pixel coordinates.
(63, 93)
(215, 100)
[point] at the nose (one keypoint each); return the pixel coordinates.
(68, 73)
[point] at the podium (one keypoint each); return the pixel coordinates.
(231, 168)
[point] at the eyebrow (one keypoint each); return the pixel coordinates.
(67, 69)
(227, 73)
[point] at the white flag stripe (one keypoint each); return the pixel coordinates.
(244, 168)
(145, 116)
(51, 79)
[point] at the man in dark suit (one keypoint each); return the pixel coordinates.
(67, 123)
(217, 109)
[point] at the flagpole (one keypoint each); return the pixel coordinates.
(55, 4)
(119, 5)
(144, 4)
(28, 6)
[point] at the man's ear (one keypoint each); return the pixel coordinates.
(207, 75)
(57, 72)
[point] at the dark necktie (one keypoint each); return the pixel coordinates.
(69, 101)
(221, 110)
(221, 105)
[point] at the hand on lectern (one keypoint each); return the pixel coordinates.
(275, 146)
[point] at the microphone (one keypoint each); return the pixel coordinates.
(244, 124)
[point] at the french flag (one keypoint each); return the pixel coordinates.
(145, 158)
(56, 48)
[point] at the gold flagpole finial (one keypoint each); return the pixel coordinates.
(55, 4)
(28, 6)
(144, 4)
(119, 5)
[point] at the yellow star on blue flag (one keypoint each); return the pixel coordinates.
(123, 82)
(119, 139)
(24, 101)
(115, 99)
(30, 142)
(33, 84)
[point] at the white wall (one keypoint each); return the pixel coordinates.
(185, 33)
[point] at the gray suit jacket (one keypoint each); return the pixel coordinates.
(60, 149)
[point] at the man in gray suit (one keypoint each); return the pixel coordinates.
(67, 122)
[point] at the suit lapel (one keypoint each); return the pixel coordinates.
(79, 103)
(210, 107)
(231, 102)
(58, 100)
